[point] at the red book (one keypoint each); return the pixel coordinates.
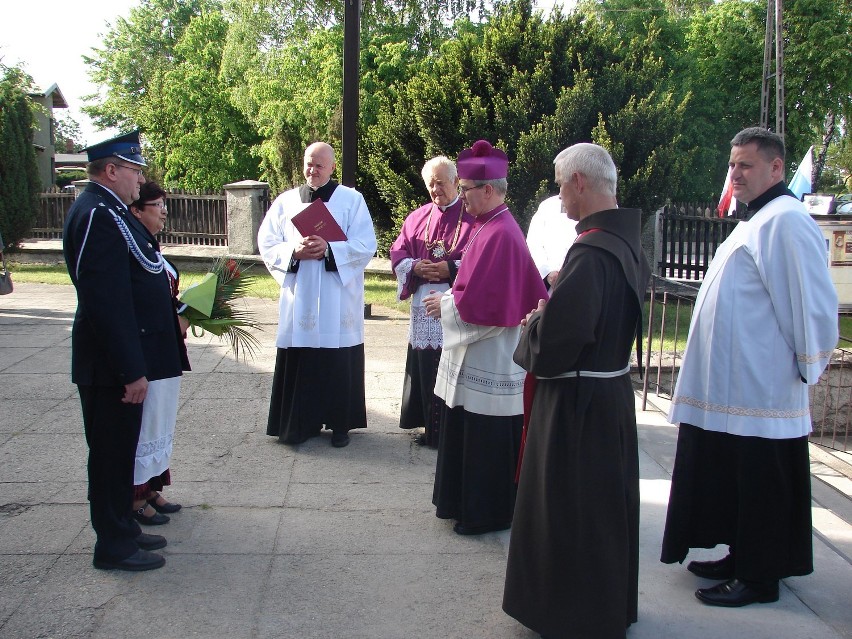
(316, 219)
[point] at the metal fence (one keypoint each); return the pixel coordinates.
(194, 217)
(686, 240)
(670, 310)
(831, 401)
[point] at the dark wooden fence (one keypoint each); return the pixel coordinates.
(687, 237)
(194, 217)
(51, 215)
(197, 218)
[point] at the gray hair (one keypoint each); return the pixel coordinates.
(769, 144)
(97, 167)
(592, 161)
(500, 185)
(434, 163)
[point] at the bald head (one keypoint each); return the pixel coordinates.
(319, 164)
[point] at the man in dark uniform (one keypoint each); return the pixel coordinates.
(125, 334)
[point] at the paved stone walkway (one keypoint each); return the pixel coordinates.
(312, 541)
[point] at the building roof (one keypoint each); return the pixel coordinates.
(71, 158)
(55, 94)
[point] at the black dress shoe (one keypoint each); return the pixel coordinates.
(140, 560)
(150, 542)
(154, 520)
(339, 438)
(168, 508)
(458, 528)
(420, 439)
(721, 569)
(735, 593)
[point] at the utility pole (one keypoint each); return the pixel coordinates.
(351, 53)
(773, 43)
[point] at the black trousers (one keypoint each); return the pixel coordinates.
(112, 434)
(750, 493)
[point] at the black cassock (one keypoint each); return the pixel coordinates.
(574, 555)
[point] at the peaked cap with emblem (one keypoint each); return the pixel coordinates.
(126, 147)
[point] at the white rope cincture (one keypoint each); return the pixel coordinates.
(597, 374)
(149, 265)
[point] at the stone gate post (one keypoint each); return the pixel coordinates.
(246, 202)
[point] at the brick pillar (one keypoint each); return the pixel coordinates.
(246, 204)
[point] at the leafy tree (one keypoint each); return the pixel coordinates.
(202, 140)
(532, 86)
(19, 177)
(137, 51)
(161, 71)
(64, 178)
(68, 134)
(817, 69)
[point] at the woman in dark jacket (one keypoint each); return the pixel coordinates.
(159, 413)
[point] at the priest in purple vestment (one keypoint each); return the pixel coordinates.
(482, 388)
(425, 258)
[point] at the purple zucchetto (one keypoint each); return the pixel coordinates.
(482, 162)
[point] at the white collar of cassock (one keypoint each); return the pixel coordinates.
(444, 208)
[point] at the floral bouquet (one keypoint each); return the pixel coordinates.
(209, 306)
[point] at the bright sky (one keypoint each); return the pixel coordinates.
(50, 37)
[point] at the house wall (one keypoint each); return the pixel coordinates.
(44, 139)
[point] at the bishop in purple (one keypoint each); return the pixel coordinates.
(482, 388)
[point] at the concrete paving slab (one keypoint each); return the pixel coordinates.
(36, 385)
(18, 414)
(305, 595)
(198, 416)
(248, 492)
(15, 494)
(279, 541)
(10, 356)
(34, 457)
(225, 530)
(41, 528)
(65, 417)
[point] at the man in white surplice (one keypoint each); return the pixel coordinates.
(763, 328)
(549, 236)
(319, 368)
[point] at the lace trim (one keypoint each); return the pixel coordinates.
(424, 331)
(144, 262)
(153, 449)
(814, 359)
(769, 413)
(402, 271)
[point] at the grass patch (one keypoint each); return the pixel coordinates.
(676, 327)
(378, 290)
(39, 273)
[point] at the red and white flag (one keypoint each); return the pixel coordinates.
(727, 202)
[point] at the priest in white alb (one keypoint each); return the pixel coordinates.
(319, 368)
(763, 328)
